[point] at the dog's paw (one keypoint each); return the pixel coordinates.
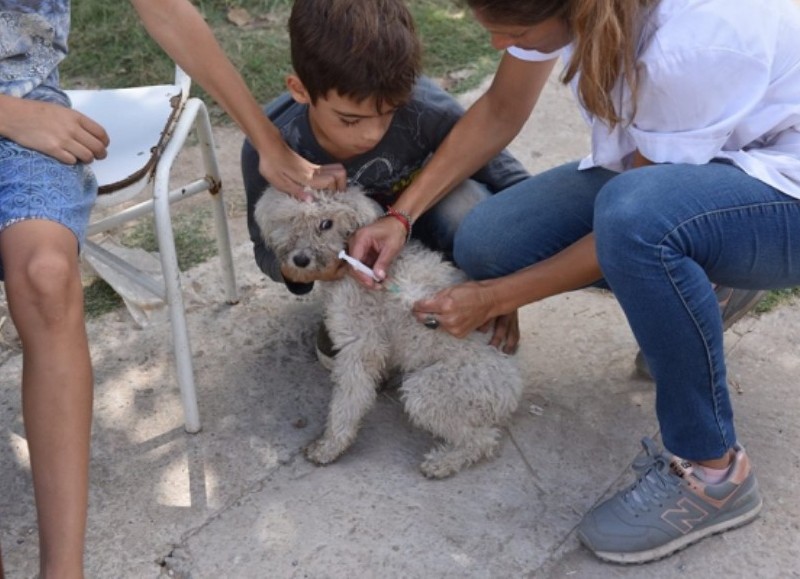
(323, 451)
(437, 465)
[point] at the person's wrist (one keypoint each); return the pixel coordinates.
(492, 295)
(401, 217)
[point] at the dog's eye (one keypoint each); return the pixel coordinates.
(325, 224)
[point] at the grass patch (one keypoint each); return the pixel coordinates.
(99, 298)
(776, 298)
(110, 48)
(456, 48)
(194, 244)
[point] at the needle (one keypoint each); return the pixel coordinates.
(358, 266)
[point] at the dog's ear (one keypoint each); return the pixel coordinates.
(271, 209)
(366, 209)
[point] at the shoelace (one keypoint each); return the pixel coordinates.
(655, 481)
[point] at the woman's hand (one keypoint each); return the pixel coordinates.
(57, 131)
(376, 245)
(467, 307)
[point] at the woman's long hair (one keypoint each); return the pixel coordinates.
(604, 37)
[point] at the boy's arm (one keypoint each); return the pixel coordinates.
(52, 129)
(180, 30)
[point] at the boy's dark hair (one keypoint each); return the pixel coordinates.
(359, 48)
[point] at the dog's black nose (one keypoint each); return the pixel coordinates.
(301, 260)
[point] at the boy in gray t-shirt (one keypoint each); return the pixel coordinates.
(356, 98)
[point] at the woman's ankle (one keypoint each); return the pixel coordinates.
(721, 463)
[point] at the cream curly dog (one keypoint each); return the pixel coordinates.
(461, 391)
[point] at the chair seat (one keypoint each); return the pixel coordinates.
(135, 120)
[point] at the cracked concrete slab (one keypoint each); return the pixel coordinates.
(239, 500)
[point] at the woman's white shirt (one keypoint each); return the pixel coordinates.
(718, 79)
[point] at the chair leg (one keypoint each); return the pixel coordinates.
(177, 314)
(206, 140)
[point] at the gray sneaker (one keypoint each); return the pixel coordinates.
(733, 303)
(669, 507)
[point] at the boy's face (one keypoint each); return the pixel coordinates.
(344, 127)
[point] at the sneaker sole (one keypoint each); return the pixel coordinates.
(679, 543)
(741, 309)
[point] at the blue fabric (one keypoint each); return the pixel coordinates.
(33, 41)
(36, 186)
(437, 227)
(664, 233)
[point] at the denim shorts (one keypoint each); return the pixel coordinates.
(36, 186)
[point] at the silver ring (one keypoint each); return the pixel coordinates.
(431, 322)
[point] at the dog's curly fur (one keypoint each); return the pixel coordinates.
(461, 391)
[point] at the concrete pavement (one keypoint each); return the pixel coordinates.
(238, 500)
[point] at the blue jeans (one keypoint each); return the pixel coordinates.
(437, 227)
(663, 233)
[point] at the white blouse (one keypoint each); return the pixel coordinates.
(718, 79)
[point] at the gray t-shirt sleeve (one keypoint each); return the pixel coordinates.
(438, 113)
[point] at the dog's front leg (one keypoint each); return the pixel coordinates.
(353, 395)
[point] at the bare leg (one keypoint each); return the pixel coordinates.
(45, 299)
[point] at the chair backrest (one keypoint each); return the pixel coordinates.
(139, 121)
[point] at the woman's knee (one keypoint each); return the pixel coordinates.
(469, 253)
(626, 218)
(530, 221)
(620, 202)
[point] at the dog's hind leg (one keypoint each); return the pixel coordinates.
(441, 400)
(355, 378)
(447, 459)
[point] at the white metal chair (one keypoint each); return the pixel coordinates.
(148, 126)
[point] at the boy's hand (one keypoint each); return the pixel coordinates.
(52, 129)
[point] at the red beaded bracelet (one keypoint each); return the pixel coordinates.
(402, 217)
